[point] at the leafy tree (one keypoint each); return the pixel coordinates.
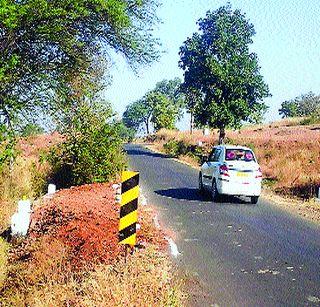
(218, 64)
(171, 88)
(303, 105)
(162, 107)
(45, 44)
(308, 104)
(289, 109)
(138, 114)
(192, 99)
(164, 112)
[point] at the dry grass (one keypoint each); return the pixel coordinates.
(40, 274)
(146, 280)
(4, 246)
(26, 179)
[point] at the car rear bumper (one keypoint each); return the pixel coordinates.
(241, 189)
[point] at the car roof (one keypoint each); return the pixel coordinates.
(229, 146)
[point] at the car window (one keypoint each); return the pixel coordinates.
(239, 155)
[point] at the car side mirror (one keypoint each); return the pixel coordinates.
(204, 159)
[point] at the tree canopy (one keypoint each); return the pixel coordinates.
(161, 107)
(303, 105)
(221, 75)
(45, 44)
(138, 114)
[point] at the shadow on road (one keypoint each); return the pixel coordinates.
(135, 152)
(193, 194)
(183, 194)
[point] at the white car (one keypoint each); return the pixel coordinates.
(231, 170)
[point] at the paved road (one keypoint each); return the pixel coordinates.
(245, 255)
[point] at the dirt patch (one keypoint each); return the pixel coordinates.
(85, 219)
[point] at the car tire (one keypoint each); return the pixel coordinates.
(201, 188)
(254, 200)
(214, 191)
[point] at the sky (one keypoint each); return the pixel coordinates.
(287, 43)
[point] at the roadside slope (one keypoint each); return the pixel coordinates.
(72, 257)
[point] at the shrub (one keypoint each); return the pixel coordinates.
(171, 148)
(7, 146)
(31, 130)
(313, 119)
(92, 150)
(175, 148)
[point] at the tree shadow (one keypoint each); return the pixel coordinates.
(136, 152)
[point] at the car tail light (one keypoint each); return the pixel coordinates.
(259, 173)
(223, 169)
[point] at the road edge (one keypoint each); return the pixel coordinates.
(289, 205)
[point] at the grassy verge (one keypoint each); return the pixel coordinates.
(39, 274)
(26, 179)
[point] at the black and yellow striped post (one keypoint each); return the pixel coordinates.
(129, 206)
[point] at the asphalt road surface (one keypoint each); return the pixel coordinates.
(243, 254)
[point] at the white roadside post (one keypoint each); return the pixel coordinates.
(51, 189)
(20, 221)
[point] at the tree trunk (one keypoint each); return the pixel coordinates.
(147, 126)
(191, 122)
(222, 135)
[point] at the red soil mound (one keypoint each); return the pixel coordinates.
(85, 219)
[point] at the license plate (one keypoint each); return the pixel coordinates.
(242, 174)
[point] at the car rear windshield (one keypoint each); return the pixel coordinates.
(239, 155)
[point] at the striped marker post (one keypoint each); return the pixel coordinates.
(128, 209)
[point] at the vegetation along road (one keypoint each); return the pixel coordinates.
(247, 255)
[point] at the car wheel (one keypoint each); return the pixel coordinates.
(214, 191)
(201, 188)
(254, 199)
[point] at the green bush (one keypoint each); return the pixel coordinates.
(92, 151)
(31, 130)
(8, 150)
(313, 119)
(175, 148)
(196, 152)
